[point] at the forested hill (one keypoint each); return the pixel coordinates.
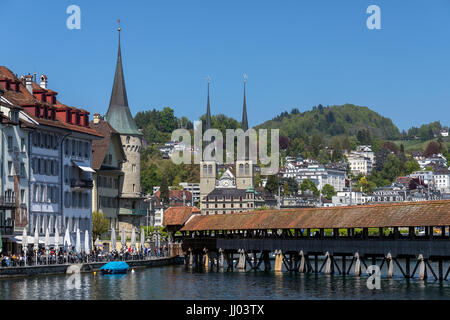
(331, 121)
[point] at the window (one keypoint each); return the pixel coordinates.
(133, 168)
(86, 150)
(10, 143)
(134, 187)
(22, 170)
(66, 147)
(10, 168)
(22, 145)
(128, 140)
(79, 147)
(22, 196)
(73, 147)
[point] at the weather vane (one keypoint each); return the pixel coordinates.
(245, 77)
(118, 21)
(208, 78)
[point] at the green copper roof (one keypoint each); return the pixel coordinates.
(119, 115)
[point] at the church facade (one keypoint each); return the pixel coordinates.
(222, 192)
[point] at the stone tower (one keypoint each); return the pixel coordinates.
(208, 167)
(244, 166)
(120, 118)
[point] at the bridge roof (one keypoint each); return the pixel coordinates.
(412, 214)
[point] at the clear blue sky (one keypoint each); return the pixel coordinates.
(295, 53)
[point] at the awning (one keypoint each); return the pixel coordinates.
(83, 166)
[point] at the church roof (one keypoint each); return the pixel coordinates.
(119, 115)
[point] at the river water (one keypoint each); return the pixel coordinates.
(175, 282)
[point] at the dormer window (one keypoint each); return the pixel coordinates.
(77, 118)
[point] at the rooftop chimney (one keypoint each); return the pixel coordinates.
(96, 118)
(44, 81)
(29, 82)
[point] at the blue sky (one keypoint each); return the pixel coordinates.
(295, 53)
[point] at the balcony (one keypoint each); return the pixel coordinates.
(134, 212)
(81, 184)
(7, 202)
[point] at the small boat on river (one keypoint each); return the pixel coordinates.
(115, 267)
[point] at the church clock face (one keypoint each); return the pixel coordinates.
(226, 183)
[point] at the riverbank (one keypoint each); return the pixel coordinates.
(12, 272)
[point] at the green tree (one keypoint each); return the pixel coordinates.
(164, 191)
(328, 191)
(99, 224)
(272, 184)
(308, 184)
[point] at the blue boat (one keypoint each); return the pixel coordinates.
(115, 267)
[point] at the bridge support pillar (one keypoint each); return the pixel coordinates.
(242, 261)
(278, 260)
(344, 267)
(206, 259)
(302, 262)
(266, 259)
(422, 268)
(390, 263)
(357, 265)
(328, 263)
(221, 259)
(407, 267)
(191, 257)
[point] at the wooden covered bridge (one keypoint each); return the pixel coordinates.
(342, 239)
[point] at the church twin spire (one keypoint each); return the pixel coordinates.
(244, 123)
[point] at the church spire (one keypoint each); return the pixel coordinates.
(244, 123)
(119, 115)
(208, 110)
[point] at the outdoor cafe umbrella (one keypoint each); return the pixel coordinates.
(86, 245)
(24, 244)
(67, 243)
(78, 242)
(123, 240)
(47, 242)
(113, 240)
(142, 240)
(133, 239)
(36, 241)
(56, 242)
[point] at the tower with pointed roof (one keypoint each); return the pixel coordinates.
(119, 117)
(244, 166)
(208, 167)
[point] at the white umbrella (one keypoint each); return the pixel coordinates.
(56, 241)
(47, 242)
(113, 240)
(142, 240)
(123, 240)
(67, 243)
(133, 239)
(78, 242)
(86, 242)
(25, 244)
(36, 240)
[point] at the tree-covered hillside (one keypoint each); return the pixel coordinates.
(332, 121)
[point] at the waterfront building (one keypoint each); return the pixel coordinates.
(59, 156)
(132, 207)
(441, 176)
(107, 158)
(194, 188)
(15, 127)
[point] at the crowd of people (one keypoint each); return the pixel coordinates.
(52, 256)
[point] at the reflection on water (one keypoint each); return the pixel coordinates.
(175, 282)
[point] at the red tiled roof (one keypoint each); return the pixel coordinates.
(23, 97)
(177, 216)
(100, 147)
(412, 214)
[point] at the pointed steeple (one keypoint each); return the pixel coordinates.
(244, 123)
(208, 111)
(119, 115)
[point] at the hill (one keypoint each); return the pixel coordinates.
(332, 121)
